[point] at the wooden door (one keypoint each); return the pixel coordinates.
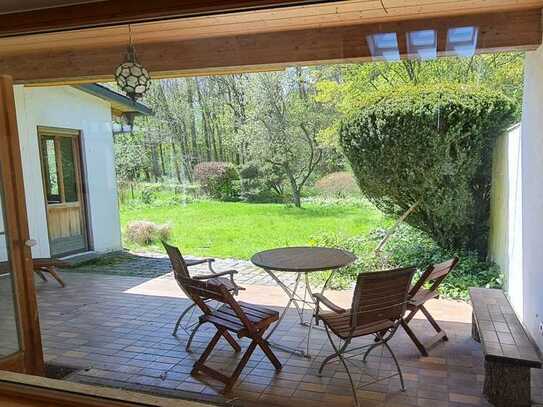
(63, 184)
(20, 340)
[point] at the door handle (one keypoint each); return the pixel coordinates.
(31, 243)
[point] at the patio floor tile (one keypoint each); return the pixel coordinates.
(116, 330)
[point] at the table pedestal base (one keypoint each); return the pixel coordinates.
(302, 298)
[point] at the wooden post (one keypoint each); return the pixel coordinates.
(506, 384)
(30, 357)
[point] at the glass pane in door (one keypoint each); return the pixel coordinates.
(50, 170)
(9, 333)
(69, 172)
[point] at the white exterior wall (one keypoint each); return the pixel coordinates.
(66, 107)
(521, 255)
(532, 196)
(506, 213)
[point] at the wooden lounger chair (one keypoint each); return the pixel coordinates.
(425, 289)
(379, 303)
(180, 268)
(240, 318)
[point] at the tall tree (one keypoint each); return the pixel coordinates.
(288, 120)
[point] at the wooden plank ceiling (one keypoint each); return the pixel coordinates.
(14, 6)
(263, 39)
(109, 12)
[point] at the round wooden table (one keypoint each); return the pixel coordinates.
(302, 261)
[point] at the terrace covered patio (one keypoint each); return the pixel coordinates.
(115, 330)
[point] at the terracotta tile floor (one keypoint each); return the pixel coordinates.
(116, 331)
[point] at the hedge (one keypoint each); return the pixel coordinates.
(217, 179)
(431, 144)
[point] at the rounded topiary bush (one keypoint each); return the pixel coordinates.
(432, 145)
(217, 179)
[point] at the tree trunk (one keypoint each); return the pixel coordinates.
(221, 148)
(506, 384)
(296, 190)
(192, 120)
(296, 198)
(155, 163)
(213, 132)
(176, 163)
(205, 122)
(161, 155)
(391, 231)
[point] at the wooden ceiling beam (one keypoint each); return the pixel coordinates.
(519, 30)
(112, 12)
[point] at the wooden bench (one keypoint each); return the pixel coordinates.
(49, 265)
(509, 350)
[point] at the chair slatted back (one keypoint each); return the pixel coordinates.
(434, 274)
(381, 296)
(199, 291)
(180, 269)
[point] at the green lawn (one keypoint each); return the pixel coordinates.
(238, 230)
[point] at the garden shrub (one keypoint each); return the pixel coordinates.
(256, 184)
(156, 195)
(217, 179)
(411, 247)
(249, 171)
(144, 233)
(431, 144)
(149, 193)
(338, 184)
(259, 194)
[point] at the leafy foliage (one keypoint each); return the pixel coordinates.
(345, 86)
(410, 247)
(217, 179)
(284, 127)
(431, 145)
(260, 184)
(131, 158)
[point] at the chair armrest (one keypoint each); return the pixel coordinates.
(199, 261)
(329, 304)
(218, 274)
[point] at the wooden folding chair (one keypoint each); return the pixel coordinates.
(50, 266)
(425, 289)
(180, 268)
(243, 319)
(379, 303)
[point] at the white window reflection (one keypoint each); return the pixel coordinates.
(462, 41)
(422, 44)
(384, 47)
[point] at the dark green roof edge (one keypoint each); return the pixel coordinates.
(107, 94)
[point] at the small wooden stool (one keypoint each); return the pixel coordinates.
(49, 265)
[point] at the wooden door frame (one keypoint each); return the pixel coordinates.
(45, 131)
(30, 357)
(40, 391)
